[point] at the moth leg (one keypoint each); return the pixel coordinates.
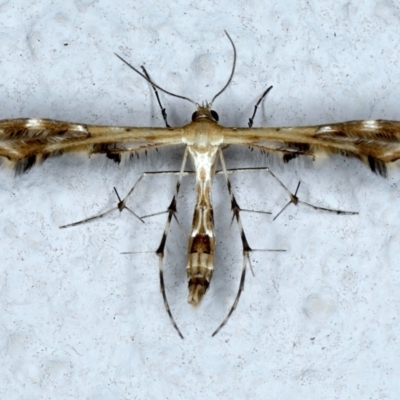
(231, 171)
(171, 213)
(246, 259)
(245, 245)
(293, 196)
(120, 206)
(185, 173)
(296, 201)
(251, 120)
(163, 111)
(161, 247)
(122, 203)
(160, 254)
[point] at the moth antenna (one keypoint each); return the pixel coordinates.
(152, 83)
(233, 69)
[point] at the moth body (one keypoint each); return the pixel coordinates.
(201, 251)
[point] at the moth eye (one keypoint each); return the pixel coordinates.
(194, 115)
(214, 115)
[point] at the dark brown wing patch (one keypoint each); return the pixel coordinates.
(28, 142)
(375, 142)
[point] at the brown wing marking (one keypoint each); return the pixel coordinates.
(26, 142)
(376, 142)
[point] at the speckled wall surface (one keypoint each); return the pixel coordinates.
(80, 320)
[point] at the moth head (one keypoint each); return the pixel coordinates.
(205, 112)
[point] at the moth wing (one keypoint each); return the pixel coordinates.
(27, 142)
(376, 142)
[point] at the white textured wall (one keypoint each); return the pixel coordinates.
(79, 320)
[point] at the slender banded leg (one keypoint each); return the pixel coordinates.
(236, 215)
(163, 111)
(251, 120)
(171, 213)
(296, 201)
(122, 203)
(293, 196)
(245, 245)
(161, 247)
(120, 206)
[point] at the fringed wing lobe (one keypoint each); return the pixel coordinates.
(376, 142)
(26, 142)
